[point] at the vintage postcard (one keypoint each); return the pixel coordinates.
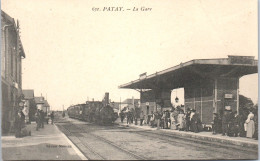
(129, 79)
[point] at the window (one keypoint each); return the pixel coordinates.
(15, 65)
(12, 61)
(3, 57)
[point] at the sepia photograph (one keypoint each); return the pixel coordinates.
(129, 80)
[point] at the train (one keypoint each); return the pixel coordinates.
(94, 111)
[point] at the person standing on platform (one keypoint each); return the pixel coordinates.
(243, 116)
(256, 125)
(38, 119)
(215, 124)
(167, 119)
(18, 125)
(173, 123)
(132, 117)
(135, 115)
(158, 117)
(225, 121)
(42, 118)
(163, 123)
(235, 124)
(141, 118)
(192, 121)
(175, 116)
(128, 117)
(250, 125)
(187, 119)
(52, 117)
(231, 123)
(122, 116)
(181, 121)
(152, 119)
(196, 124)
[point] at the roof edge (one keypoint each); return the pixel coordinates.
(220, 61)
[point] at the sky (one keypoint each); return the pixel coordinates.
(74, 53)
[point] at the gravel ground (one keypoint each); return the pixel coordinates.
(143, 144)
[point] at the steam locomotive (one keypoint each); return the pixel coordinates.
(94, 111)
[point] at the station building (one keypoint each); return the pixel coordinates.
(210, 85)
(12, 53)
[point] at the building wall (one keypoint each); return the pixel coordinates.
(200, 96)
(207, 96)
(226, 88)
(10, 72)
(148, 107)
(162, 96)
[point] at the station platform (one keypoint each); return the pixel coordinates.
(207, 136)
(49, 143)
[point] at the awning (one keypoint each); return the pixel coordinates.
(185, 73)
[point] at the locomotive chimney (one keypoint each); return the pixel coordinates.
(106, 98)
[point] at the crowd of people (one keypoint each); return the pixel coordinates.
(233, 124)
(174, 119)
(226, 122)
(40, 119)
(129, 117)
(20, 124)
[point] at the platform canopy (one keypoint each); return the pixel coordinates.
(194, 70)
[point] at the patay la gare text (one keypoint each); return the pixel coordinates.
(120, 9)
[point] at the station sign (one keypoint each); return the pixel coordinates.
(142, 76)
(228, 108)
(228, 96)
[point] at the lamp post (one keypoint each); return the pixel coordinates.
(176, 99)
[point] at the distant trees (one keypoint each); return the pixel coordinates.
(246, 103)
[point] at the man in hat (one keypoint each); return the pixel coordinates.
(42, 118)
(215, 125)
(235, 124)
(141, 118)
(187, 118)
(225, 122)
(122, 116)
(193, 121)
(38, 119)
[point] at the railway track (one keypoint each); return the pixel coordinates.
(86, 151)
(201, 144)
(81, 131)
(75, 132)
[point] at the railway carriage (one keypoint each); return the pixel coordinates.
(93, 111)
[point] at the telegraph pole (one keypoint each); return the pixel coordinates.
(120, 105)
(63, 113)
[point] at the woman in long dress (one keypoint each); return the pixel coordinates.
(173, 123)
(181, 120)
(250, 128)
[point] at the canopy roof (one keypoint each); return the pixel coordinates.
(185, 73)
